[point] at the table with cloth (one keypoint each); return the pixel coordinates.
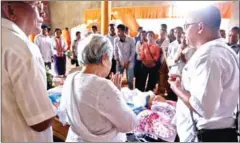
(154, 113)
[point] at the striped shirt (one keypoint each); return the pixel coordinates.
(124, 51)
(24, 95)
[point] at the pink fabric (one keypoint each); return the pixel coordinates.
(157, 122)
(59, 47)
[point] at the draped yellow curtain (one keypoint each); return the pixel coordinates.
(225, 9)
(153, 12)
(128, 15)
(130, 21)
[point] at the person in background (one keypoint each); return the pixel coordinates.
(60, 47)
(223, 33)
(184, 52)
(138, 37)
(75, 47)
(111, 36)
(124, 51)
(27, 113)
(99, 115)
(164, 26)
(67, 36)
(138, 70)
(44, 42)
(233, 39)
(208, 90)
(163, 41)
(94, 29)
(50, 32)
(127, 31)
(149, 55)
(171, 36)
(175, 65)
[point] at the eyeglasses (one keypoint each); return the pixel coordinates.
(186, 25)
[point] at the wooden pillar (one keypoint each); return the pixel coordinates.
(106, 7)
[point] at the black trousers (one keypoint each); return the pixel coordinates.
(138, 72)
(152, 74)
(113, 68)
(218, 135)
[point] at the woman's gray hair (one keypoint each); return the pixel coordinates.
(92, 48)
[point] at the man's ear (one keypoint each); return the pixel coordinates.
(200, 27)
(8, 11)
(104, 60)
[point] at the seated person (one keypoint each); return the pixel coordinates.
(94, 106)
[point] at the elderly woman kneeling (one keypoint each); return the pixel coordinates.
(94, 106)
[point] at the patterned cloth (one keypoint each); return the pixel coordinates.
(157, 122)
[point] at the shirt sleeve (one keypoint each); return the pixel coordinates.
(169, 50)
(133, 50)
(176, 55)
(28, 79)
(157, 55)
(112, 105)
(138, 45)
(116, 49)
(165, 45)
(206, 85)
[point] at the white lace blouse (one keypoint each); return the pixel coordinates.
(95, 109)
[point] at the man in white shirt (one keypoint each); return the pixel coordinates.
(163, 42)
(27, 112)
(209, 91)
(124, 51)
(75, 47)
(44, 42)
(111, 36)
(175, 66)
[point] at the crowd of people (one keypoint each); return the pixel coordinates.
(203, 73)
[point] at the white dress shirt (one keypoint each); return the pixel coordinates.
(138, 46)
(111, 38)
(125, 51)
(75, 46)
(175, 66)
(99, 115)
(45, 45)
(164, 46)
(25, 100)
(212, 78)
(172, 48)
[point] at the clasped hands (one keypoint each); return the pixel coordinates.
(175, 82)
(116, 79)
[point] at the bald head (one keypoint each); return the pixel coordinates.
(210, 16)
(203, 26)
